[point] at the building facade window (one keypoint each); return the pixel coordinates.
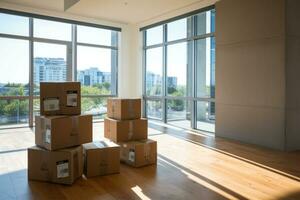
(179, 70)
(35, 49)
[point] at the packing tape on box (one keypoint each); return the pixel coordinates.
(130, 108)
(44, 168)
(107, 124)
(75, 167)
(123, 152)
(74, 130)
(74, 121)
(103, 164)
(113, 109)
(84, 161)
(130, 131)
(46, 131)
(147, 149)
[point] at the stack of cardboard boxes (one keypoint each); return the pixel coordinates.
(125, 126)
(63, 136)
(60, 131)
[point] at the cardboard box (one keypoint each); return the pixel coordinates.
(57, 132)
(101, 158)
(62, 166)
(60, 98)
(127, 130)
(123, 109)
(139, 153)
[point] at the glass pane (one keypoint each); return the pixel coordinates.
(177, 69)
(96, 106)
(205, 67)
(177, 29)
(154, 109)
(98, 36)
(205, 22)
(94, 70)
(15, 25)
(154, 62)
(178, 113)
(52, 30)
(14, 67)
(213, 21)
(206, 116)
(14, 111)
(50, 64)
(154, 35)
(36, 108)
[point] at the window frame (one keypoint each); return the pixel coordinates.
(191, 40)
(71, 56)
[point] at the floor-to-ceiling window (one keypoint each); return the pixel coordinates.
(36, 48)
(179, 70)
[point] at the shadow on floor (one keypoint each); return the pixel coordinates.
(283, 163)
(166, 180)
(291, 196)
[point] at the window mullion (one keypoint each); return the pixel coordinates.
(31, 86)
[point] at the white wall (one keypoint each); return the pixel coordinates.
(292, 75)
(250, 71)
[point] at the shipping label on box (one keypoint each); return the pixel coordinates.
(62, 169)
(72, 97)
(51, 104)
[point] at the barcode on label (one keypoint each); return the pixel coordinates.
(62, 169)
(131, 155)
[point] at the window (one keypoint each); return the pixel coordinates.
(154, 36)
(12, 83)
(14, 86)
(14, 25)
(96, 106)
(177, 29)
(94, 70)
(91, 35)
(179, 69)
(52, 30)
(154, 66)
(205, 67)
(97, 56)
(34, 49)
(154, 109)
(49, 64)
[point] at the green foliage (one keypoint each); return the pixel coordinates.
(97, 89)
(177, 104)
(15, 107)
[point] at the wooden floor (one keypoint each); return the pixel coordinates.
(190, 166)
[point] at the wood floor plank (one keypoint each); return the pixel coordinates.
(191, 165)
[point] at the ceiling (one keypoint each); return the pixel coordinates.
(124, 11)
